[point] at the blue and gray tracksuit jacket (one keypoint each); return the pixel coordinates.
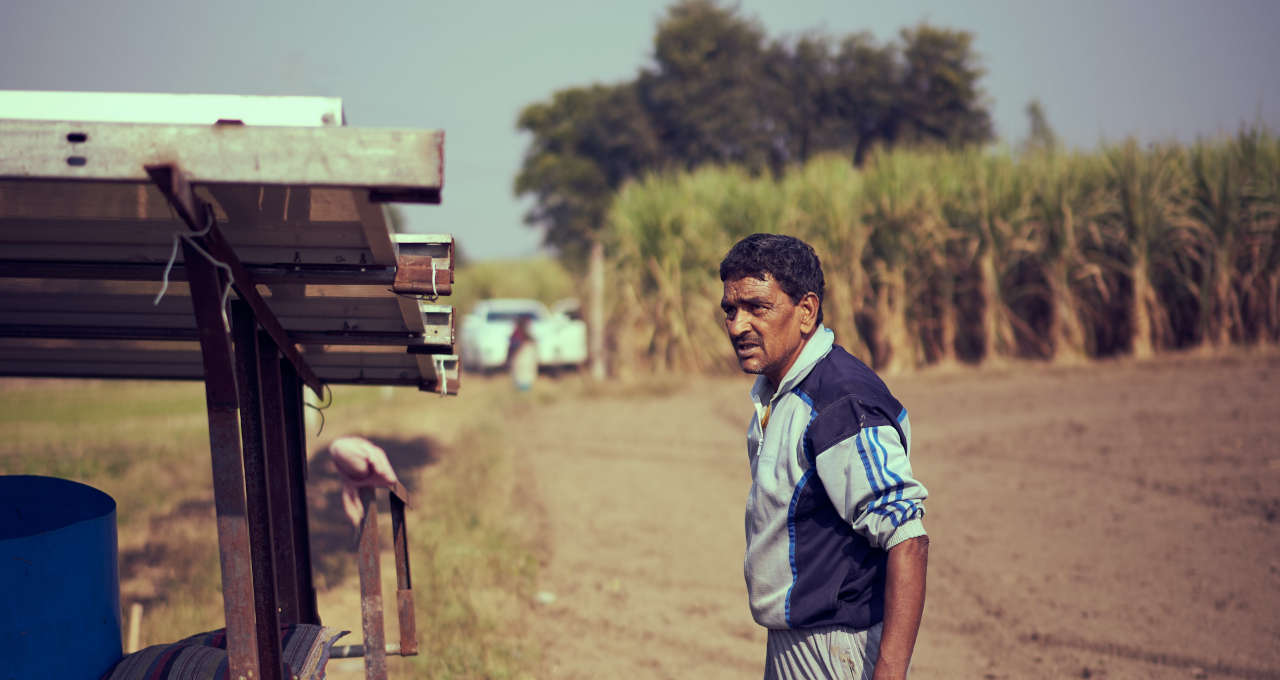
(831, 491)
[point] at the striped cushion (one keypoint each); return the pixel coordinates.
(303, 647)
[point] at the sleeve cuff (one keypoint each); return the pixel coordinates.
(910, 529)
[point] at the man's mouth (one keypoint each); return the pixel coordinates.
(745, 348)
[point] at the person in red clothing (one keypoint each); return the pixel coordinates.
(522, 356)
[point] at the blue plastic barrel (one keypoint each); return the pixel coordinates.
(59, 583)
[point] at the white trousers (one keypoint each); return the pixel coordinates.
(826, 653)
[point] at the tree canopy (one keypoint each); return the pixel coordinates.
(719, 91)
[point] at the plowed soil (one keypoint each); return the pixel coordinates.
(1116, 520)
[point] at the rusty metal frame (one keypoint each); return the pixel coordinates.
(244, 329)
(272, 498)
(254, 373)
(243, 650)
(375, 652)
(404, 581)
(279, 488)
(241, 468)
(296, 453)
(375, 648)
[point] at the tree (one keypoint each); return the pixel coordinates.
(703, 93)
(716, 93)
(1041, 138)
(938, 98)
(586, 143)
(796, 91)
(863, 92)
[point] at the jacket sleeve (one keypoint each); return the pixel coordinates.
(867, 475)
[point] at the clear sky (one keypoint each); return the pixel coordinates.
(1156, 69)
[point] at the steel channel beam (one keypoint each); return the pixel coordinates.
(422, 275)
(228, 468)
(96, 332)
(296, 448)
(370, 275)
(375, 659)
(412, 341)
(404, 581)
(357, 651)
(280, 495)
(244, 328)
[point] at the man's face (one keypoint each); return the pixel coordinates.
(766, 328)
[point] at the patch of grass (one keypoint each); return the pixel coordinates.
(146, 444)
(477, 569)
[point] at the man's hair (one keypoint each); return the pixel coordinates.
(790, 261)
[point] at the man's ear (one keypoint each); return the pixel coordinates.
(808, 310)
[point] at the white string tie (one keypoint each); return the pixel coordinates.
(189, 237)
(441, 380)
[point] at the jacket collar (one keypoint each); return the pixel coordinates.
(814, 349)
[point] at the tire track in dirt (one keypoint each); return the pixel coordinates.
(1199, 667)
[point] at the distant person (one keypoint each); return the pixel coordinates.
(836, 550)
(522, 356)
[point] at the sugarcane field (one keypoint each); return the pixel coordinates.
(664, 340)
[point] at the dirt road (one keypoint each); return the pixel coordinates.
(1118, 520)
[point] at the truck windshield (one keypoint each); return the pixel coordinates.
(512, 316)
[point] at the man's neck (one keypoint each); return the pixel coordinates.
(775, 381)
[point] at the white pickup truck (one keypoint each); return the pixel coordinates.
(486, 332)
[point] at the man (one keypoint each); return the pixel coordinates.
(836, 551)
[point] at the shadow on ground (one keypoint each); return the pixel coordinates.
(177, 555)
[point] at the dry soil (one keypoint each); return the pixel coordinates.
(1115, 520)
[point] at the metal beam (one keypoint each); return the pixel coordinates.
(296, 450)
(257, 474)
(312, 320)
(422, 275)
(404, 581)
(368, 560)
(353, 338)
(269, 274)
(177, 190)
(406, 164)
(228, 470)
(280, 482)
(116, 359)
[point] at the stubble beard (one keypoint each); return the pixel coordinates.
(754, 363)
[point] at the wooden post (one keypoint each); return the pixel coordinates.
(595, 307)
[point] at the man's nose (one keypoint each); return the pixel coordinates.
(737, 325)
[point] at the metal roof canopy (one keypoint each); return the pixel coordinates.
(294, 203)
(197, 200)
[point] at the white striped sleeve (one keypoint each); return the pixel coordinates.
(868, 478)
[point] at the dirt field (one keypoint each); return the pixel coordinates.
(1118, 520)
